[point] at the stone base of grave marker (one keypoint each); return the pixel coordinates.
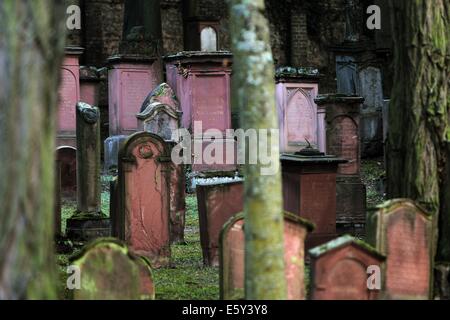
(218, 199)
(109, 271)
(309, 190)
(88, 228)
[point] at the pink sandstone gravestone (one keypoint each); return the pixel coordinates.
(402, 231)
(130, 78)
(218, 200)
(232, 265)
(143, 215)
(201, 80)
(89, 85)
(300, 119)
(160, 114)
(339, 270)
(69, 95)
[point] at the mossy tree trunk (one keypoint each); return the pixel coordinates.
(254, 96)
(418, 148)
(31, 47)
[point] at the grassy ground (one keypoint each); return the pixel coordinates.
(187, 278)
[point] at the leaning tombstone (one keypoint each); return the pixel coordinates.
(88, 222)
(161, 115)
(109, 271)
(232, 265)
(340, 270)
(402, 230)
(142, 215)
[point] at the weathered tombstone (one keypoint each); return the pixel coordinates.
(69, 95)
(309, 191)
(201, 34)
(143, 206)
(160, 114)
(402, 230)
(370, 87)
(346, 74)
(67, 157)
(232, 263)
(300, 119)
(109, 271)
(343, 140)
(112, 146)
(218, 200)
(202, 80)
(88, 222)
(339, 270)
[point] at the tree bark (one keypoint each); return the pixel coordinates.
(31, 47)
(254, 95)
(418, 148)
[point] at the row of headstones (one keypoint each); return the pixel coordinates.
(396, 262)
(395, 265)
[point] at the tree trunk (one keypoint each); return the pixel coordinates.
(418, 145)
(254, 95)
(31, 46)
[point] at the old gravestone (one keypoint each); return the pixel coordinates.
(232, 265)
(88, 222)
(69, 95)
(160, 114)
(339, 270)
(343, 140)
(109, 271)
(218, 200)
(202, 82)
(299, 117)
(402, 231)
(67, 157)
(143, 209)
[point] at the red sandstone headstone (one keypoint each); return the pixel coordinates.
(143, 214)
(300, 119)
(232, 265)
(309, 190)
(109, 271)
(67, 157)
(217, 203)
(160, 115)
(339, 270)
(130, 78)
(402, 231)
(69, 96)
(201, 81)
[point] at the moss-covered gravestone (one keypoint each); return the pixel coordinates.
(232, 263)
(339, 270)
(402, 231)
(109, 271)
(88, 222)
